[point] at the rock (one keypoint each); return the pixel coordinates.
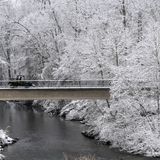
(90, 134)
(4, 145)
(2, 157)
(15, 140)
(6, 140)
(75, 111)
(106, 143)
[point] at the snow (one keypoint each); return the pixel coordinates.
(2, 157)
(4, 140)
(74, 111)
(127, 129)
(105, 39)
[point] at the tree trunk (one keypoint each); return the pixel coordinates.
(140, 27)
(57, 23)
(124, 14)
(8, 53)
(116, 54)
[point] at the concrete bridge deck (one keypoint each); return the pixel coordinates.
(54, 90)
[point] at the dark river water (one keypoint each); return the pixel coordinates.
(46, 138)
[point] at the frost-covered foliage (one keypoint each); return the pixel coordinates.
(72, 39)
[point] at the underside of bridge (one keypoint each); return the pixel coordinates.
(54, 94)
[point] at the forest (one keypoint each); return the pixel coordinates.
(117, 40)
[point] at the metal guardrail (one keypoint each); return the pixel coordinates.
(55, 84)
(70, 83)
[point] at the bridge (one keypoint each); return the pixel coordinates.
(54, 90)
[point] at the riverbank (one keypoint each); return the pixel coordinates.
(2, 157)
(44, 137)
(128, 129)
(5, 140)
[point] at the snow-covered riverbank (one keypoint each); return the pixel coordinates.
(128, 129)
(2, 157)
(5, 140)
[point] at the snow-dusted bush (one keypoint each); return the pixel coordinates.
(130, 133)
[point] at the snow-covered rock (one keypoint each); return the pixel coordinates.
(51, 107)
(5, 140)
(76, 110)
(2, 157)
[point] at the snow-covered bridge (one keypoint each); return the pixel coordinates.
(54, 90)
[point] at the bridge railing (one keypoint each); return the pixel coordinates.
(69, 84)
(55, 84)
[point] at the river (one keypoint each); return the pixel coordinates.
(46, 138)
